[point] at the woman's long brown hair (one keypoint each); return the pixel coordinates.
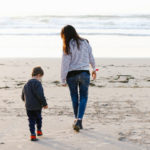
(67, 33)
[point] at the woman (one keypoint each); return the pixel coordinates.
(77, 55)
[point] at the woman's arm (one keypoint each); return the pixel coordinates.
(92, 62)
(91, 58)
(65, 67)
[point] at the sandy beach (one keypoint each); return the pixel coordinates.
(117, 115)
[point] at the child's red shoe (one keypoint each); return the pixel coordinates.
(33, 138)
(39, 133)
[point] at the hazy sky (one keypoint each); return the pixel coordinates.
(73, 7)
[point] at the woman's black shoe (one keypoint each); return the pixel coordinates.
(76, 126)
(80, 124)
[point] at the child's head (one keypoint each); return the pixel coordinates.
(38, 73)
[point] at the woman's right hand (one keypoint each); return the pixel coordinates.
(94, 75)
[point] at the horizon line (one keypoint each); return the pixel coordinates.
(84, 15)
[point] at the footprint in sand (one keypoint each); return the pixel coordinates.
(5, 87)
(121, 79)
(2, 143)
(122, 138)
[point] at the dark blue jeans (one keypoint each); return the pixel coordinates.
(35, 118)
(78, 86)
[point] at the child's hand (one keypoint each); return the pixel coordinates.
(94, 75)
(45, 107)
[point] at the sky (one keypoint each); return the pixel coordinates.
(73, 7)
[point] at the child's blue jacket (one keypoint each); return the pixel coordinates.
(33, 95)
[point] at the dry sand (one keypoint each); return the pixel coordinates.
(117, 115)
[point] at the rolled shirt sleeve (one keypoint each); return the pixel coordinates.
(66, 59)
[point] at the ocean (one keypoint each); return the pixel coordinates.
(111, 36)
